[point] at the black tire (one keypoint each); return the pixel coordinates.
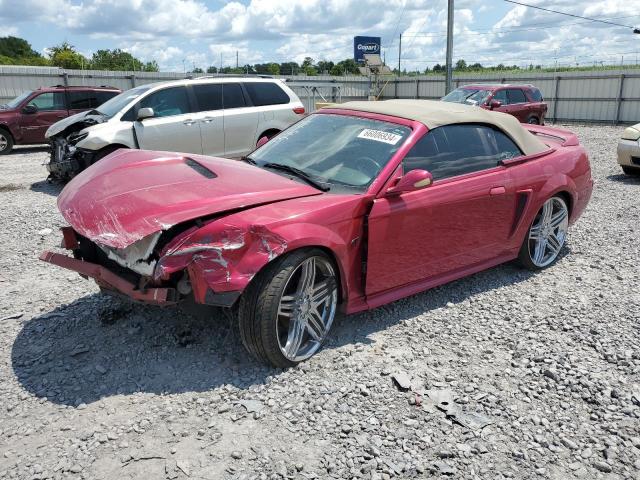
(630, 170)
(525, 256)
(533, 120)
(269, 134)
(6, 142)
(258, 307)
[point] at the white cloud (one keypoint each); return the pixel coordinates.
(171, 31)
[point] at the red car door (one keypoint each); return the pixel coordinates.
(464, 218)
(50, 107)
(518, 104)
(501, 96)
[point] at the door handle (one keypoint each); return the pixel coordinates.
(208, 119)
(189, 122)
(497, 191)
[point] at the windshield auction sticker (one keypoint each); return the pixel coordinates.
(380, 136)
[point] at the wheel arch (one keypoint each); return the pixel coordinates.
(561, 185)
(341, 276)
(269, 132)
(230, 259)
(6, 128)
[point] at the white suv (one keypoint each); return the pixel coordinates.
(221, 116)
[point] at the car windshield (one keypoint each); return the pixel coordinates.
(337, 150)
(117, 103)
(18, 100)
(471, 96)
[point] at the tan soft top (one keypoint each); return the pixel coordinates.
(434, 114)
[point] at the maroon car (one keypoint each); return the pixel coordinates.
(352, 207)
(524, 102)
(26, 118)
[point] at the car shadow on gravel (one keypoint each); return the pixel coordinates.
(19, 150)
(45, 186)
(71, 356)
(358, 328)
(624, 178)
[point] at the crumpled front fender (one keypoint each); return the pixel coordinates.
(219, 256)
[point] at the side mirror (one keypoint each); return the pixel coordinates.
(411, 181)
(495, 104)
(262, 141)
(146, 112)
(30, 109)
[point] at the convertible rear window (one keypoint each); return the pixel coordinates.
(335, 149)
(453, 150)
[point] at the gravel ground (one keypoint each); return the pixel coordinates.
(544, 368)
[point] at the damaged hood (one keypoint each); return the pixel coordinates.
(60, 126)
(131, 194)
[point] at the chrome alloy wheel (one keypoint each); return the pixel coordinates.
(307, 308)
(3, 142)
(548, 233)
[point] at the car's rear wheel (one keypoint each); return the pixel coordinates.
(630, 170)
(546, 236)
(533, 120)
(286, 313)
(6, 142)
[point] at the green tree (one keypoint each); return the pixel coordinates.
(289, 68)
(66, 56)
(324, 66)
(151, 66)
(273, 69)
(343, 67)
(118, 60)
(14, 47)
(212, 69)
(461, 65)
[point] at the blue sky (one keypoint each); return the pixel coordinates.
(182, 33)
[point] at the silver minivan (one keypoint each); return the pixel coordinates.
(220, 116)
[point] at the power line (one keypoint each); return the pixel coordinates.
(395, 30)
(569, 14)
(524, 28)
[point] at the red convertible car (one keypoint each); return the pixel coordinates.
(353, 207)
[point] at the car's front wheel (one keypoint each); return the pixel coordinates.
(546, 236)
(287, 311)
(533, 120)
(6, 142)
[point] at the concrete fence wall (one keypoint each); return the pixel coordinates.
(611, 96)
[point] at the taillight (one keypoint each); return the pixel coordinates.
(298, 110)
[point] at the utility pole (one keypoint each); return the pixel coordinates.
(399, 54)
(220, 71)
(236, 58)
(449, 79)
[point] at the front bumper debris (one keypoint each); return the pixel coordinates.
(111, 281)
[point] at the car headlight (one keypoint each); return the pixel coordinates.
(631, 134)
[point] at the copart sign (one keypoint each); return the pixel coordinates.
(365, 46)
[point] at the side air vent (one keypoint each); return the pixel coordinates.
(522, 198)
(198, 167)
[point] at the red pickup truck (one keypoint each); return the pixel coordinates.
(25, 119)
